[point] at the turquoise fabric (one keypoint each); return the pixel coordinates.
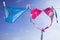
(11, 14)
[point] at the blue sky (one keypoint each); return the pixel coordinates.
(23, 29)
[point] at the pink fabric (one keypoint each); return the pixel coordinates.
(47, 11)
(35, 13)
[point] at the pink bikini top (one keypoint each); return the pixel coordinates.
(36, 12)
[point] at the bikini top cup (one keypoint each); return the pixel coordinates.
(36, 12)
